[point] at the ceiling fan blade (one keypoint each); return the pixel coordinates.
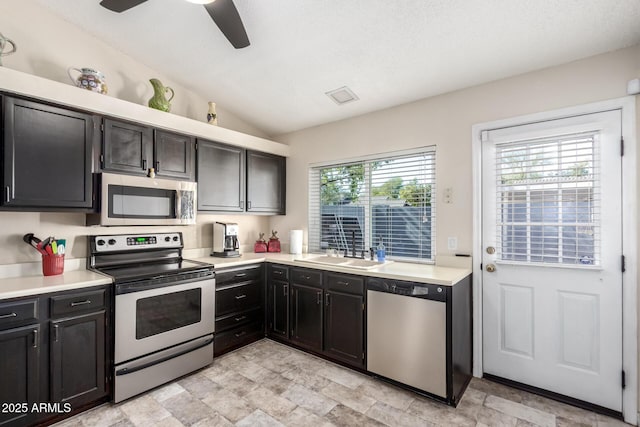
(226, 17)
(120, 5)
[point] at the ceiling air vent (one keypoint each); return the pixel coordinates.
(342, 95)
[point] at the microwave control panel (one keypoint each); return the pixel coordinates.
(132, 242)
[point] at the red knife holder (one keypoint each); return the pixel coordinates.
(52, 265)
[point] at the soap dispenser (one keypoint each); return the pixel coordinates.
(380, 252)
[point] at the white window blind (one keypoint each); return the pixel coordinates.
(548, 200)
(386, 199)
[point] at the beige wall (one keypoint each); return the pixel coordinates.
(47, 46)
(445, 121)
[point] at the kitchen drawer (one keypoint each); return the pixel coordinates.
(237, 337)
(305, 276)
(344, 283)
(17, 313)
(238, 275)
(238, 298)
(77, 302)
(236, 319)
(278, 272)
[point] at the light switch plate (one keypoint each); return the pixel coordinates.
(452, 243)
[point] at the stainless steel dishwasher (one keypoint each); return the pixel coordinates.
(407, 333)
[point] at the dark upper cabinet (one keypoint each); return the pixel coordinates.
(19, 370)
(174, 155)
(306, 316)
(46, 156)
(266, 183)
(344, 327)
(221, 173)
(127, 147)
(78, 370)
(134, 148)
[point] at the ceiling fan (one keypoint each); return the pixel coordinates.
(223, 13)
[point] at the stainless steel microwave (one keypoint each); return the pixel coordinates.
(136, 200)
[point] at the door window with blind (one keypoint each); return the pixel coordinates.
(383, 200)
(548, 200)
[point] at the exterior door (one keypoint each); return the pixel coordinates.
(552, 256)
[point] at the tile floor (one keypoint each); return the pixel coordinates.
(269, 384)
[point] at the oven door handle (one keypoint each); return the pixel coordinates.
(130, 370)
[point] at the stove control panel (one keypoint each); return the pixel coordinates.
(133, 242)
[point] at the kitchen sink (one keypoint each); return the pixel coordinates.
(357, 263)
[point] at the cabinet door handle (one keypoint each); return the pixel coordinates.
(326, 299)
(8, 193)
(35, 338)
(144, 164)
(319, 299)
(241, 296)
(239, 334)
(55, 333)
(6, 316)
(241, 274)
(77, 303)
(238, 319)
(241, 204)
(157, 166)
(343, 283)
(285, 290)
(249, 204)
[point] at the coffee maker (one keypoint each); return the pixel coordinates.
(225, 240)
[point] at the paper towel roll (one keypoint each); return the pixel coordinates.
(295, 242)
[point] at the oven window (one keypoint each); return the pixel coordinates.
(141, 202)
(162, 313)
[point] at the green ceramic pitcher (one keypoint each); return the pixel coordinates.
(159, 101)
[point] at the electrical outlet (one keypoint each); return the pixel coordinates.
(448, 195)
(452, 243)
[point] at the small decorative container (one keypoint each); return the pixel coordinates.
(52, 265)
(260, 246)
(212, 116)
(4, 47)
(159, 100)
(89, 79)
(274, 242)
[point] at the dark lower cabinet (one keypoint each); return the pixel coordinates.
(306, 316)
(278, 309)
(78, 371)
(239, 307)
(344, 327)
(54, 354)
(19, 373)
(46, 156)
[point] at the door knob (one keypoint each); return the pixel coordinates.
(491, 250)
(491, 268)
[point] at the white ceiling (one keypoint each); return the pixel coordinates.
(388, 52)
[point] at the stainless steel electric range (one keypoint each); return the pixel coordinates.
(163, 308)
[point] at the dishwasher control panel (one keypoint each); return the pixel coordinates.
(409, 289)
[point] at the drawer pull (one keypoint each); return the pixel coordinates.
(241, 296)
(239, 334)
(77, 303)
(343, 283)
(241, 274)
(278, 272)
(238, 319)
(6, 316)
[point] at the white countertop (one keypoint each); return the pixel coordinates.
(422, 273)
(33, 285)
